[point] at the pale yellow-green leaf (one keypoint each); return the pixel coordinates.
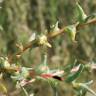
(81, 16)
(3, 88)
(71, 29)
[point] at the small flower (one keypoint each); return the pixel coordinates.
(43, 41)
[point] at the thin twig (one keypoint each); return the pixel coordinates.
(54, 34)
(24, 90)
(93, 21)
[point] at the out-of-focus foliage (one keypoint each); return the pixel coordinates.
(20, 18)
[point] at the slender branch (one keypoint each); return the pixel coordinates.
(54, 34)
(24, 90)
(24, 49)
(93, 21)
(78, 26)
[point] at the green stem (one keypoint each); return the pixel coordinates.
(24, 90)
(90, 90)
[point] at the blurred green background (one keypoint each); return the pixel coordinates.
(21, 18)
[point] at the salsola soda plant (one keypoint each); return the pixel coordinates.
(69, 73)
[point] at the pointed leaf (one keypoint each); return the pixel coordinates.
(33, 37)
(81, 14)
(92, 16)
(87, 88)
(71, 29)
(55, 28)
(74, 76)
